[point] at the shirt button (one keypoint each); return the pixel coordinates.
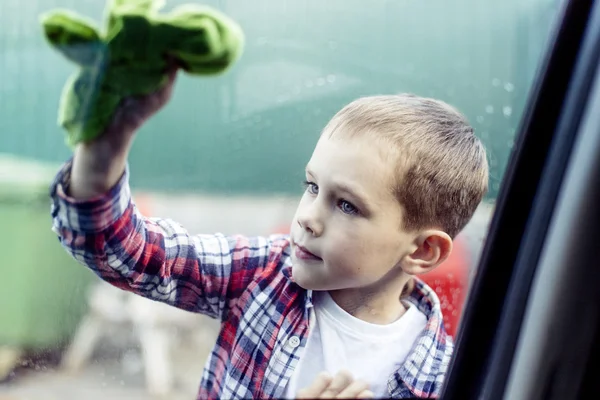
(294, 342)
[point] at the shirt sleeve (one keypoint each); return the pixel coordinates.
(154, 257)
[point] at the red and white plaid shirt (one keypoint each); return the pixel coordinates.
(244, 282)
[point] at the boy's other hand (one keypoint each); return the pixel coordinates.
(341, 386)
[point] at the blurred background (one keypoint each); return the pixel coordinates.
(227, 155)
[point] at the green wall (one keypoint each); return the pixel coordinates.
(253, 129)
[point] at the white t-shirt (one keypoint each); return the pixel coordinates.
(371, 352)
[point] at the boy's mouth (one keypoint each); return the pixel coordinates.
(303, 253)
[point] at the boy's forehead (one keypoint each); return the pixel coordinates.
(363, 150)
(353, 162)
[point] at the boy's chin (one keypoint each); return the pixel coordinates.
(307, 281)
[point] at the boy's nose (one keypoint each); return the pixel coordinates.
(311, 223)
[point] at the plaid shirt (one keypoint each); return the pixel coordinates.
(244, 282)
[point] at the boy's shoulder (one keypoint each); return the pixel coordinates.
(269, 255)
(273, 245)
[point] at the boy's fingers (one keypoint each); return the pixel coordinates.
(353, 390)
(365, 394)
(341, 386)
(168, 88)
(340, 381)
(319, 385)
(135, 110)
(172, 64)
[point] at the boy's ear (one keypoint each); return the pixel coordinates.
(433, 248)
(73, 36)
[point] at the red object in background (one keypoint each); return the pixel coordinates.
(282, 230)
(450, 282)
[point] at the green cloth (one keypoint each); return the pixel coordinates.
(130, 57)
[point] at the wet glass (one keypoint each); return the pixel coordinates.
(227, 155)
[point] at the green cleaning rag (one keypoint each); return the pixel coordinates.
(131, 57)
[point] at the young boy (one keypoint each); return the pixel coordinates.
(333, 309)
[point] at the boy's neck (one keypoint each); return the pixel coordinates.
(379, 304)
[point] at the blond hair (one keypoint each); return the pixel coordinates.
(442, 169)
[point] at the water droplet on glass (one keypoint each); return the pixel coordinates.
(509, 87)
(489, 109)
(331, 78)
(309, 84)
(320, 81)
(507, 111)
(480, 118)
(496, 82)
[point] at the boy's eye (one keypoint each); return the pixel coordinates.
(311, 187)
(347, 208)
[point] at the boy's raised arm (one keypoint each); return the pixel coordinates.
(99, 225)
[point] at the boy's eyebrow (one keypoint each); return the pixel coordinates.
(357, 195)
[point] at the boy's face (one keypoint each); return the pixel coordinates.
(347, 231)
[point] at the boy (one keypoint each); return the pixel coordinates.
(391, 181)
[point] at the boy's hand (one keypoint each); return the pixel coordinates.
(135, 111)
(99, 164)
(342, 386)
